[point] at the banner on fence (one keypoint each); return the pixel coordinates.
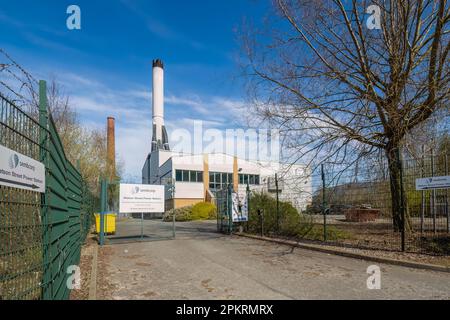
(20, 171)
(139, 198)
(240, 207)
(442, 182)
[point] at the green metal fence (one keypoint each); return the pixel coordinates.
(224, 204)
(40, 234)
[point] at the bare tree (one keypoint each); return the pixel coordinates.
(83, 146)
(338, 89)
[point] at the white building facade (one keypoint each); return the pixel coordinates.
(196, 178)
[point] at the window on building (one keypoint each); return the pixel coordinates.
(199, 176)
(188, 176)
(220, 180)
(178, 175)
(217, 177)
(185, 175)
(252, 179)
(224, 178)
(193, 176)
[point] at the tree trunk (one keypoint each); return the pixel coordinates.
(398, 199)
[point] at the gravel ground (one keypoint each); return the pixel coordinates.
(201, 264)
(414, 257)
(85, 270)
(397, 255)
(105, 287)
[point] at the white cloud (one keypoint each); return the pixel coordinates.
(131, 108)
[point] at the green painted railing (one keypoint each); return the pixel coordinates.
(40, 234)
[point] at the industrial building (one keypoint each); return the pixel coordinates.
(196, 177)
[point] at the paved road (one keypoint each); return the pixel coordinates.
(201, 264)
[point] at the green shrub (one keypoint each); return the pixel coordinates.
(288, 218)
(291, 222)
(204, 211)
(199, 211)
(181, 214)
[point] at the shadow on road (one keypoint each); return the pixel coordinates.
(149, 230)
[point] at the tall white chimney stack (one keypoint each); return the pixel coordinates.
(159, 137)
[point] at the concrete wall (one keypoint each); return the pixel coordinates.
(189, 190)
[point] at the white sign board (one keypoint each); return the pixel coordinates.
(141, 198)
(442, 182)
(239, 207)
(20, 171)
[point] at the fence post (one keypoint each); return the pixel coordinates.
(172, 190)
(43, 155)
(446, 195)
(278, 204)
(103, 202)
(230, 209)
(433, 193)
(402, 199)
(422, 211)
(81, 213)
(324, 205)
(261, 219)
(248, 206)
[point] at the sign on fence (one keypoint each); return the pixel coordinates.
(442, 182)
(19, 171)
(240, 207)
(139, 198)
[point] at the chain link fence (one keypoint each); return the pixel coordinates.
(352, 206)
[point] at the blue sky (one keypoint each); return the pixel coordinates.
(106, 66)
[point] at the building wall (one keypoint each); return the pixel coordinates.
(154, 168)
(297, 186)
(146, 171)
(294, 181)
(189, 190)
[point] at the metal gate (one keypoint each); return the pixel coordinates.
(224, 207)
(128, 227)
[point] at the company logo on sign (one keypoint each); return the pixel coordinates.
(135, 190)
(13, 161)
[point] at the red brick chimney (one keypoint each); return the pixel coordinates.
(110, 148)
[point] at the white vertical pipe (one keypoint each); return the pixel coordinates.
(158, 100)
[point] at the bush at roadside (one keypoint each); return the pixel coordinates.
(199, 211)
(292, 224)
